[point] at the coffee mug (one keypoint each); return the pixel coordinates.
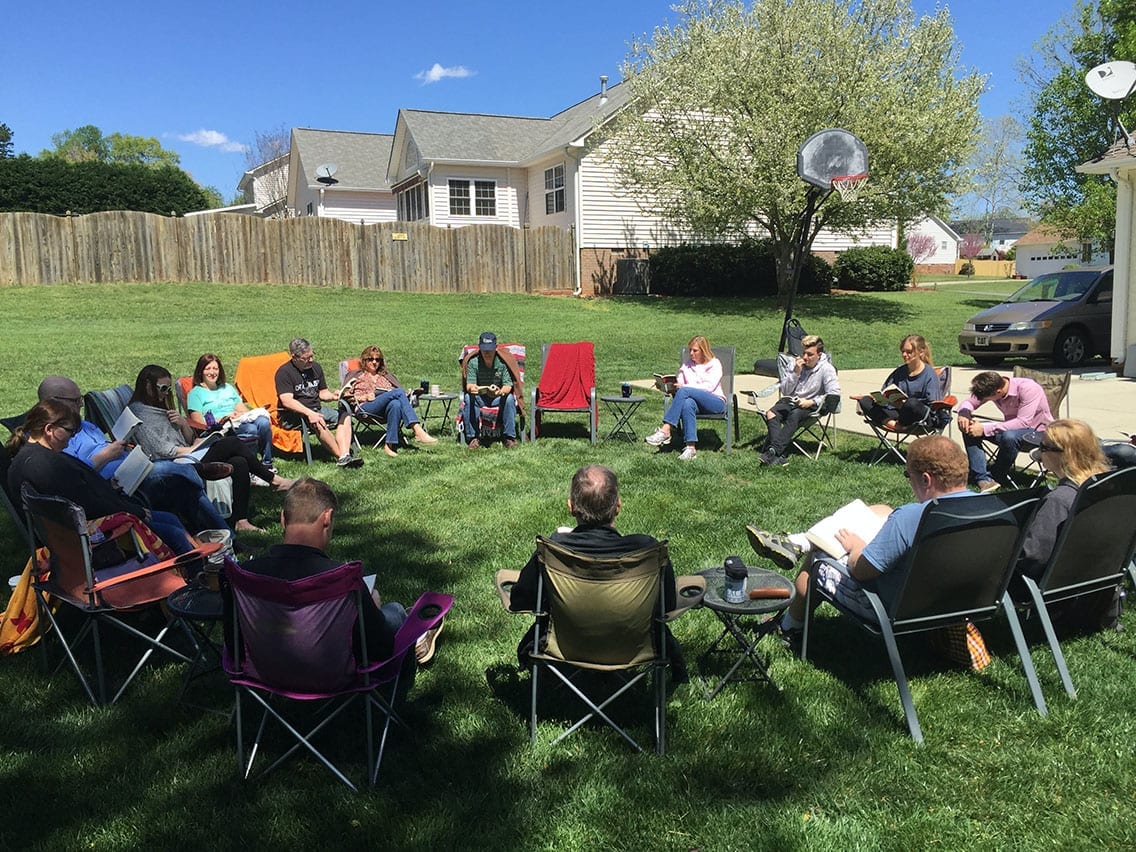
(425, 385)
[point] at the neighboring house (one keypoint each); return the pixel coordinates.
(266, 187)
(946, 245)
(456, 169)
(1119, 163)
(357, 192)
(1005, 232)
(1045, 250)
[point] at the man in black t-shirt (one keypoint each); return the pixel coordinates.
(302, 390)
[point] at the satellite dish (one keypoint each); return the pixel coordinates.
(1113, 80)
(326, 173)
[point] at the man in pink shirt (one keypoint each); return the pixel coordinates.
(1025, 411)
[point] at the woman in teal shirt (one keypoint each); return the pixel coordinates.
(213, 395)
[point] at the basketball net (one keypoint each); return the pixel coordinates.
(849, 186)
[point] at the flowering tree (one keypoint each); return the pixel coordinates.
(920, 247)
(969, 248)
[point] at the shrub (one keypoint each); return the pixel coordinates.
(718, 269)
(873, 268)
(966, 269)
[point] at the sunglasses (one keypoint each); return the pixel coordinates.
(376, 360)
(1050, 448)
(162, 388)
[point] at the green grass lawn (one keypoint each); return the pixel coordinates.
(823, 763)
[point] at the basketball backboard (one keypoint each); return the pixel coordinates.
(831, 153)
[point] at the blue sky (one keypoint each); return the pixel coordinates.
(204, 77)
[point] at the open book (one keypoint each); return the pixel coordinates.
(124, 425)
(667, 382)
(855, 517)
(198, 452)
(134, 468)
(891, 395)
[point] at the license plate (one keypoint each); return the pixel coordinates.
(981, 340)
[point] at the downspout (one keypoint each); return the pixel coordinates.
(577, 216)
(1123, 323)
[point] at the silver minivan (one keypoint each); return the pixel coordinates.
(1064, 315)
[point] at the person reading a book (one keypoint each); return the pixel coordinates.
(489, 384)
(802, 394)
(908, 391)
(213, 398)
(865, 547)
(168, 486)
(698, 390)
(165, 434)
(1025, 412)
(301, 391)
(377, 392)
(38, 459)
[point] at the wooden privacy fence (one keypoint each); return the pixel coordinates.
(36, 248)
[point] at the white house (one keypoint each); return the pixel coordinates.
(266, 187)
(1045, 250)
(357, 191)
(946, 244)
(1119, 162)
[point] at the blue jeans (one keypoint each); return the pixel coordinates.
(685, 408)
(508, 414)
(169, 529)
(261, 429)
(179, 489)
(1009, 444)
(393, 406)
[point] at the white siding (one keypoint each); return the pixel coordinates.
(838, 241)
(946, 245)
(363, 207)
(535, 194)
(511, 186)
(1040, 258)
(612, 218)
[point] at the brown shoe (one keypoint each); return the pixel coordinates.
(427, 645)
(474, 444)
(216, 470)
(509, 443)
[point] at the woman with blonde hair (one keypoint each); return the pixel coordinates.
(699, 392)
(1071, 450)
(378, 393)
(917, 380)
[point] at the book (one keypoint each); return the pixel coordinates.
(666, 382)
(891, 395)
(134, 468)
(200, 449)
(124, 425)
(855, 517)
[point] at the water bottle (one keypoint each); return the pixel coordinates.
(736, 574)
(210, 420)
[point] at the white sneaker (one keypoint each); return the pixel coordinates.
(688, 454)
(257, 481)
(658, 438)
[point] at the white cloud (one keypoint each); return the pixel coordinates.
(213, 139)
(438, 72)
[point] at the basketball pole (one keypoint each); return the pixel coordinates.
(811, 205)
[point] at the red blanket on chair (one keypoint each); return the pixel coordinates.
(568, 376)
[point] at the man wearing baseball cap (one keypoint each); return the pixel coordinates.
(489, 384)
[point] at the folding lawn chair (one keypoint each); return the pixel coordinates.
(957, 570)
(1093, 552)
(819, 426)
(256, 380)
(291, 651)
(893, 440)
(567, 384)
(513, 354)
(104, 588)
(602, 620)
(104, 407)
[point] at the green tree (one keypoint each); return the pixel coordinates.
(1069, 124)
(87, 143)
(213, 197)
(5, 141)
(721, 101)
(81, 145)
(144, 150)
(54, 185)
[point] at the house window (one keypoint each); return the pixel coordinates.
(482, 203)
(414, 203)
(554, 190)
(311, 210)
(943, 245)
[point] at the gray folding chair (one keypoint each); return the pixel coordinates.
(727, 355)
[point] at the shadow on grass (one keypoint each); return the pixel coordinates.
(854, 307)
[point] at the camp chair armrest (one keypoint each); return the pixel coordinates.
(690, 589)
(945, 404)
(503, 581)
(198, 553)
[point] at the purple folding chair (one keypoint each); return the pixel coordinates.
(292, 641)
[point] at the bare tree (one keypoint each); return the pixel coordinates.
(266, 182)
(994, 173)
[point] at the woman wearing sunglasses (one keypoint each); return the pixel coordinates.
(377, 392)
(38, 459)
(212, 394)
(165, 434)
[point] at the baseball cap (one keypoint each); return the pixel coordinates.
(488, 341)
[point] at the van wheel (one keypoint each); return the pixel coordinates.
(1071, 348)
(988, 360)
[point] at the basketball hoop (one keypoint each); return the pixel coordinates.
(849, 186)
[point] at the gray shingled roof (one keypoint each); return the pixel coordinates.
(361, 158)
(1122, 152)
(469, 137)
